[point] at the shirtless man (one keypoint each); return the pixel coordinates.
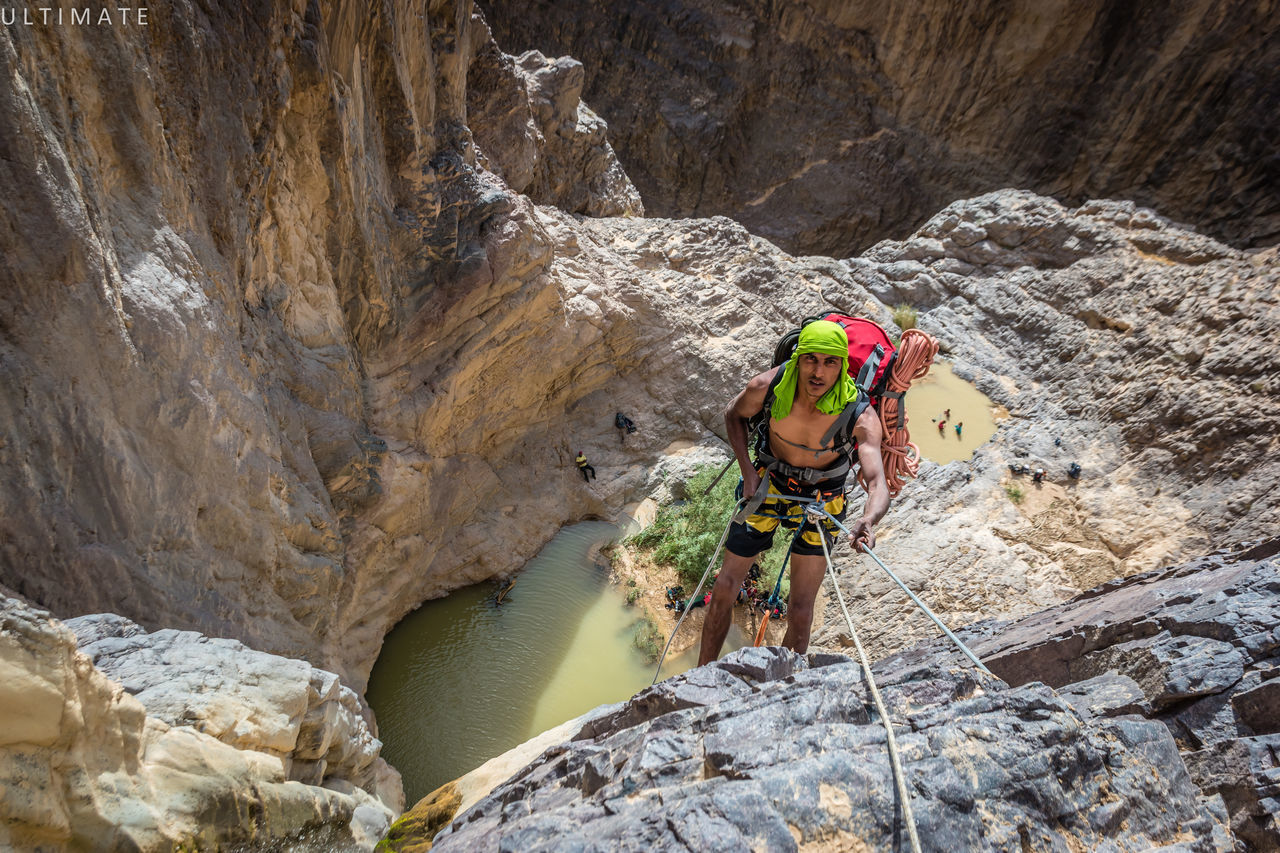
(810, 393)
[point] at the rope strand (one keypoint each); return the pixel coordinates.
(901, 458)
(899, 778)
(694, 597)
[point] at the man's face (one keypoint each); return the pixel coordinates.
(818, 372)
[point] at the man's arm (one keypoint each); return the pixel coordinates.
(869, 434)
(742, 408)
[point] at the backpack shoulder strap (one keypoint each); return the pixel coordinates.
(843, 425)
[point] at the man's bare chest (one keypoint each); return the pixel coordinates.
(797, 440)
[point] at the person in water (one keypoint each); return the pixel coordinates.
(813, 389)
(959, 427)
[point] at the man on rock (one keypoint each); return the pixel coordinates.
(807, 396)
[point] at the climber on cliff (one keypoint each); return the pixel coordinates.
(812, 390)
(624, 425)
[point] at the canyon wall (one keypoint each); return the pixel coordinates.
(288, 353)
(826, 126)
(224, 228)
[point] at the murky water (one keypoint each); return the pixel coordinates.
(927, 403)
(461, 679)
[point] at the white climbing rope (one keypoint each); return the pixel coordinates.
(714, 555)
(899, 778)
(907, 590)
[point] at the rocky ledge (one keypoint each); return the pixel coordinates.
(1140, 715)
(178, 741)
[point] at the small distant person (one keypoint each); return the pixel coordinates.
(946, 415)
(1057, 442)
(959, 427)
(942, 427)
(1074, 471)
(1038, 476)
(585, 468)
(624, 425)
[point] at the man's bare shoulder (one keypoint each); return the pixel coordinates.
(760, 382)
(867, 427)
(751, 399)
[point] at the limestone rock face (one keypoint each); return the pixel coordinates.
(764, 750)
(224, 231)
(84, 765)
(288, 361)
(248, 699)
(1113, 338)
(534, 131)
(1194, 646)
(826, 126)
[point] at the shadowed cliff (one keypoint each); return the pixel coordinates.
(826, 126)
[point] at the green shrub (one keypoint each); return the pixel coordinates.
(905, 316)
(633, 596)
(684, 535)
(1014, 493)
(649, 639)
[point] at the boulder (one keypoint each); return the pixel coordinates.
(84, 765)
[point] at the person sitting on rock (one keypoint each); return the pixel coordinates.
(1038, 476)
(813, 390)
(1074, 471)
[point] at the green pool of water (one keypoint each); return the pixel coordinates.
(461, 679)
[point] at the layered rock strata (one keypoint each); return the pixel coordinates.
(317, 728)
(826, 127)
(331, 366)
(1114, 339)
(1194, 646)
(287, 352)
(86, 765)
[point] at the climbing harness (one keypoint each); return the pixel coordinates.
(899, 778)
(884, 375)
(816, 513)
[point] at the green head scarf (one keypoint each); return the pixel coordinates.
(827, 338)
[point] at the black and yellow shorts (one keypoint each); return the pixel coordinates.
(746, 539)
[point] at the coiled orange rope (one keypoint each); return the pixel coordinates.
(902, 458)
